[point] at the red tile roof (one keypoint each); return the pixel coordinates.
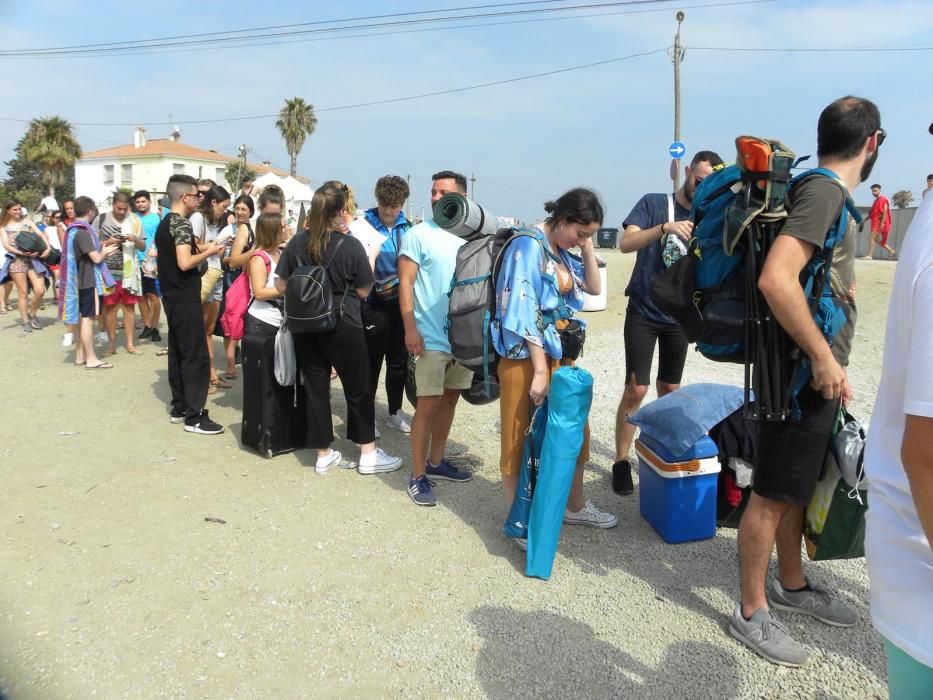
(168, 147)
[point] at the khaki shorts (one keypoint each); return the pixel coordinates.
(436, 371)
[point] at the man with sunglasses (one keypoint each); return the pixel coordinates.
(180, 282)
(791, 453)
(655, 217)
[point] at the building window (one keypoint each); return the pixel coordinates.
(126, 174)
(108, 174)
(178, 168)
(218, 175)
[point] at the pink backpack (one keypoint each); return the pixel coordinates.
(238, 299)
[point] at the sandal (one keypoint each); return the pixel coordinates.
(134, 351)
(162, 353)
(3, 309)
(230, 375)
(218, 382)
(211, 390)
(102, 365)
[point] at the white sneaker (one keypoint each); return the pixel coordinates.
(68, 340)
(378, 462)
(323, 464)
(376, 429)
(592, 516)
(399, 422)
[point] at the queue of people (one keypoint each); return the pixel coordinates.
(392, 299)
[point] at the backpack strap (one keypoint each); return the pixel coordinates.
(670, 208)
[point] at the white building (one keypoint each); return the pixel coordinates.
(148, 164)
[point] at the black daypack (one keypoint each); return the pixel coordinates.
(309, 302)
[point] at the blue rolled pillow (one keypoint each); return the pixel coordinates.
(679, 419)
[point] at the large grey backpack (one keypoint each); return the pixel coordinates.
(473, 301)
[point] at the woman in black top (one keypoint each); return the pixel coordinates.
(343, 348)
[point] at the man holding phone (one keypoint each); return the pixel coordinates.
(120, 227)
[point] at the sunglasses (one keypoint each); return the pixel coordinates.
(882, 135)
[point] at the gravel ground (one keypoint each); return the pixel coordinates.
(116, 586)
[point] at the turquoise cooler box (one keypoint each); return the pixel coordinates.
(678, 492)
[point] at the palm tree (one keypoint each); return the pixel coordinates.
(902, 199)
(296, 122)
(50, 143)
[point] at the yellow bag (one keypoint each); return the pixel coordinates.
(208, 281)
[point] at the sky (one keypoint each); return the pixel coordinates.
(607, 127)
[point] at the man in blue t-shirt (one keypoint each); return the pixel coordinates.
(426, 264)
(150, 304)
(646, 228)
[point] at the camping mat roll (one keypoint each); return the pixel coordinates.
(463, 217)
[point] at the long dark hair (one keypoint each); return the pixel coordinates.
(327, 206)
(576, 206)
(214, 194)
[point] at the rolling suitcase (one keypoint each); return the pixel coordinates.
(274, 417)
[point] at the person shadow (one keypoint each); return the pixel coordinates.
(541, 654)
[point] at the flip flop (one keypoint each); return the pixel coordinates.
(134, 351)
(211, 390)
(102, 365)
(230, 375)
(221, 383)
(162, 353)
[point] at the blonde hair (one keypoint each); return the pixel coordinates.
(350, 207)
(327, 205)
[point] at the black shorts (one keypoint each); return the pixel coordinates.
(89, 302)
(641, 335)
(151, 286)
(791, 453)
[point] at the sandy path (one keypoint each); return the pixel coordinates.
(114, 585)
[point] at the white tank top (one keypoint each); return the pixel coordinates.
(263, 310)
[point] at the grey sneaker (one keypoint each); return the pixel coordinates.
(815, 602)
(766, 636)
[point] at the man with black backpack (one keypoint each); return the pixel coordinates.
(791, 452)
(654, 219)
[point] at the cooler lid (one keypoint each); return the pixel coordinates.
(676, 470)
(702, 448)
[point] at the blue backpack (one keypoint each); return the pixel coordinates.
(712, 291)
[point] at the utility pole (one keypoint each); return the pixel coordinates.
(472, 185)
(678, 57)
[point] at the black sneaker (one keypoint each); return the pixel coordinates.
(145, 333)
(176, 418)
(203, 425)
(154, 335)
(622, 478)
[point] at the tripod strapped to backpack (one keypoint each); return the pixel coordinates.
(712, 291)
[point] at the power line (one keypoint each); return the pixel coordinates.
(298, 24)
(218, 46)
(856, 49)
(95, 50)
(373, 103)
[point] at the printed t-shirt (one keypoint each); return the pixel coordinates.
(83, 245)
(435, 252)
(107, 230)
(898, 555)
(347, 269)
(176, 285)
(651, 210)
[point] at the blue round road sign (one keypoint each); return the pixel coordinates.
(677, 150)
